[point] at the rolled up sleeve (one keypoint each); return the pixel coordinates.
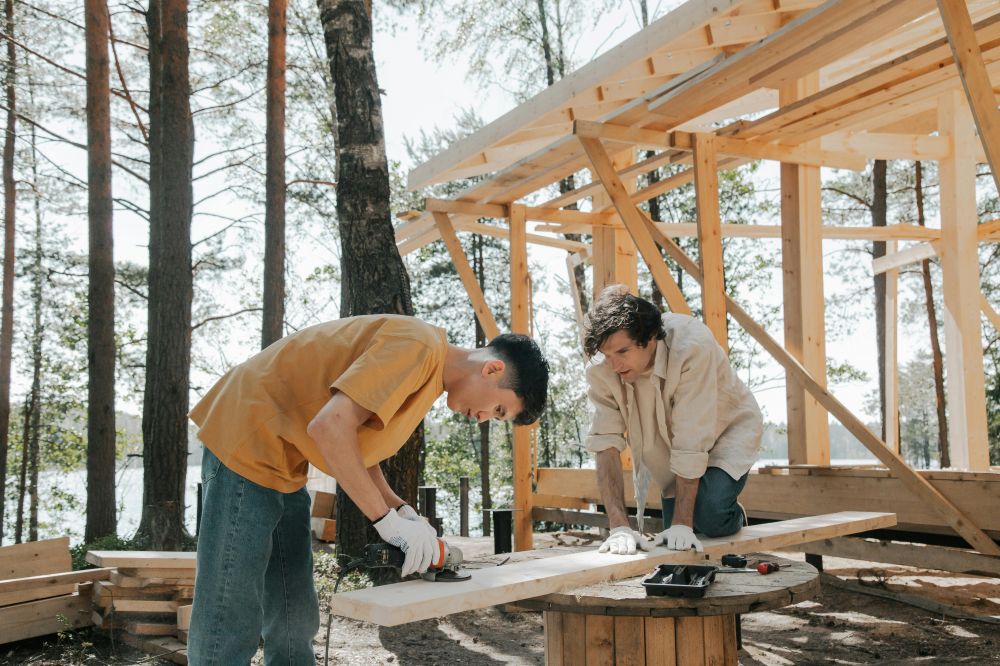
(695, 407)
(607, 430)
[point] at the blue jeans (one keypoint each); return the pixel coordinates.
(254, 574)
(715, 511)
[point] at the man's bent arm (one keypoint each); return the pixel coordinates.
(388, 494)
(335, 431)
(609, 480)
(686, 491)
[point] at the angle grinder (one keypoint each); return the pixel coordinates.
(445, 568)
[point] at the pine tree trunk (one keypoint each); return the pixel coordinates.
(937, 358)
(168, 355)
(274, 208)
(22, 480)
(101, 319)
(34, 460)
(373, 277)
(879, 219)
(9, 210)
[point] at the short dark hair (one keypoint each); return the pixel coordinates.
(617, 310)
(527, 375)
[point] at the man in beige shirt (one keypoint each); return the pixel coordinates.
(665, 389)
(342, 396)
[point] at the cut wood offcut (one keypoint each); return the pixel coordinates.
(392, 605)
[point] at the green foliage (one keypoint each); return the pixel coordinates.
(113, 542)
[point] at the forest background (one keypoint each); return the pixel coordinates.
(445, 69)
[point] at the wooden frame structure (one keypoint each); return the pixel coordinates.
(716, 84)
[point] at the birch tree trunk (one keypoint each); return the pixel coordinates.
(274, 207)
(373, 277)
(101, 320)
(168, 355)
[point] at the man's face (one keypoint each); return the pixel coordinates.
(480, 397)
(626, 357)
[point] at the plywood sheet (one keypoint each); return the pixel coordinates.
(392, 605)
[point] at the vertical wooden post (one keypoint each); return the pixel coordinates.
(967, 433)
(463, 506)
(602, 257)
(891, 314)
(706, 188)
(520, 322)
(802, 269)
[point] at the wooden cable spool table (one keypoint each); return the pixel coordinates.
(615, 623)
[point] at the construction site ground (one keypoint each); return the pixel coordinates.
(840, 626)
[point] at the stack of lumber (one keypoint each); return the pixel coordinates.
(143, 596)
(324, 527)
(39, 592)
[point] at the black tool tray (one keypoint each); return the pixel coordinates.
(679, 580)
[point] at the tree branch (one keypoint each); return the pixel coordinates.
(225, 316)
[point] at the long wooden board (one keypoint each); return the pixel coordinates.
(139, 559)
(48, 616)
(391, 605)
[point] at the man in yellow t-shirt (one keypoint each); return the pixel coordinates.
(342, 396)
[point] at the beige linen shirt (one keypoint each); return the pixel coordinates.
(703, 415)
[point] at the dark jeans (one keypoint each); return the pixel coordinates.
(254, 574)
(716, 513)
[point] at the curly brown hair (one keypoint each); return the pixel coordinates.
(617, 310)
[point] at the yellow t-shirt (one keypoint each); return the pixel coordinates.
(254, 418)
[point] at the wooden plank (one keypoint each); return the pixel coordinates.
(908, 554)
(661, 649)
(391, 605)
(184, 616)
(730, 641)
(714, 627)
(164, 647)
(913, 481)
(553, 638)
(48, 616)
(104, 592)
(630, 641)
(706, 194)
(150, 572)
(144, 606)
(975, 79)
(604, 170)
(879, 146)
(323, 504)
(142, 558)
(894, 260)
(690, 641)
(137, 628)
(479, 305)
(901, 232)
(35, 558)
(968, 435)
(758, 150)
(324, 529)
(520, 322)
(47, 585)
(600, 639)
(574, 647)
(122, 580)
(990, 312)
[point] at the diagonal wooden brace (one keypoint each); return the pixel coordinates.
(633, 221)
(483, 312)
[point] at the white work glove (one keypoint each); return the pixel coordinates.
(678, 537)
(623, 541)
(410, 537)
(407, 512)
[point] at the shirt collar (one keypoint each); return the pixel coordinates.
(660, 360)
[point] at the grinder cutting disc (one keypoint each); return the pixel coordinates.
(445, 576)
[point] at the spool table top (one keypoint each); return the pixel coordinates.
(731, 593)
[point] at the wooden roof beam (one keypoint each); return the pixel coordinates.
(816, 38)
(898, 232)
(759, 150)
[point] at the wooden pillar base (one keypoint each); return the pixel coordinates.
(579, 638)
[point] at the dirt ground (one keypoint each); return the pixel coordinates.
(837, 627)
